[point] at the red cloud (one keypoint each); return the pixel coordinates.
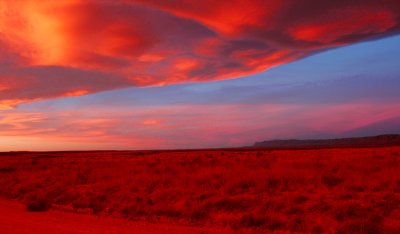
(52, 49)
(228, 17)
(330, 29)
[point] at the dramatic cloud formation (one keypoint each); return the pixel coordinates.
(52, 49)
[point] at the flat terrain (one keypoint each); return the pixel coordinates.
(15, 219)
(352, 190)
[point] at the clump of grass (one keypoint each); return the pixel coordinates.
(38, 203)
(7, 169)
(332, 180)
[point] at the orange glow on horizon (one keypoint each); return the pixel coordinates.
(219, 124)
(151, 122)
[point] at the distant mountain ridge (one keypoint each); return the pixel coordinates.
(371, 141)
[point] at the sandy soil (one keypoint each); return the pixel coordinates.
(15, 219)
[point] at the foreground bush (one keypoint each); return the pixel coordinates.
(37, 203)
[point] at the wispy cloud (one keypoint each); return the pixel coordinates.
(187, 126)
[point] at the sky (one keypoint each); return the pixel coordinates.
(97, 75)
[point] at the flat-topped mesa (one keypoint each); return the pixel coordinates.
(372, 141)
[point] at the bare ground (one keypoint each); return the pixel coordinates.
(16, 220)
